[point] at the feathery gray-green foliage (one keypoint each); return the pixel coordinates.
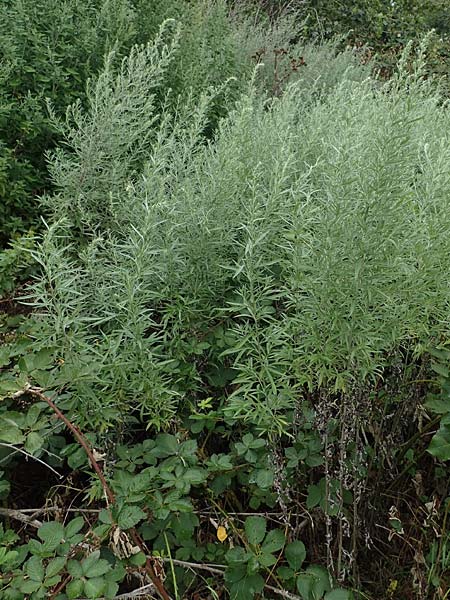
(310, 237)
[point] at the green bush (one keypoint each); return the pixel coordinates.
(304, 246)
(48, 50)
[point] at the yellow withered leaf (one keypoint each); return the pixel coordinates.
(222, 534)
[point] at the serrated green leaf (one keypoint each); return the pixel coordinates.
(55, 566)
(37, 548)
(33, 414)
(237, 555)
(195, 475)
(304, 586)
(129, 516)
(29, 586)
(235, 573)
(255, 529)
(285, 573)
(90, 560)
(34, 442)
(11, 435)
(440, 444)
(35, 569)
(321, 581)
(75, 569)
(264, 478)
(274, 541)
(97, 569)
(51, 534)
(440, 369)
(52, 581)
(138, 560)
(314, 496)
(5, 486)
(74, 589)
(94, 588)
(94, 566)
(166, 445)
(266, 559)
(247, 587)
(111, 589)
(295, 553)
(73, 527)
(440, 406)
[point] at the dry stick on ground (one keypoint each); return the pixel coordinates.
(38, 393)
(18, 515)
(48, 509)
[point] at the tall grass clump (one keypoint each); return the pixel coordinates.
(302, 247)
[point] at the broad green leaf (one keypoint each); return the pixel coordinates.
(51, 534)
(77, 459)
(111, 589)
(98, 569)
(74, 589)
(75, 569)
(55, 566)
(7, 556)
(5, 486)
(90, 561)
(183, 525)
(43, 359)
(237, 555)
(94, 566)
(180, 505)
(166, 445)
(440, 444)
(29, 586)
(295, 553)
(195, 475)
(129, 516)
(440, 406)
(95, 588)
(314, 496)
(440, 369)
(264, 478)
(11, 435)
(274, 541)
(235, 573)
(74, 526)
(33, 414)
(285, 573)
(52, 581)
(266, 559)
(35, 569)
(247, 587)
(321, 581)
(255, 529)
(138, 560)
(253, 564)
(305, 585)
(33, 442)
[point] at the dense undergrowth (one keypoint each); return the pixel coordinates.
(228, 376)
